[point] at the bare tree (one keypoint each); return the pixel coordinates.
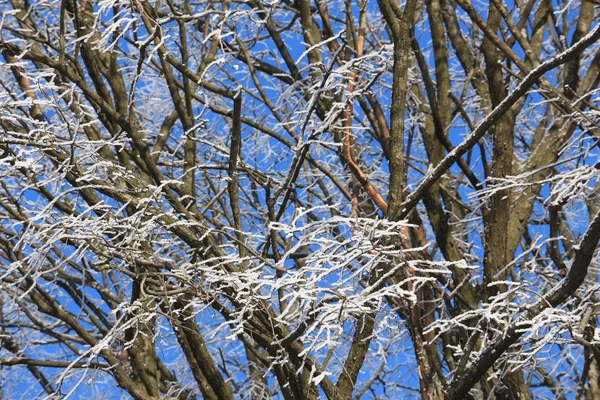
(300, 200)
